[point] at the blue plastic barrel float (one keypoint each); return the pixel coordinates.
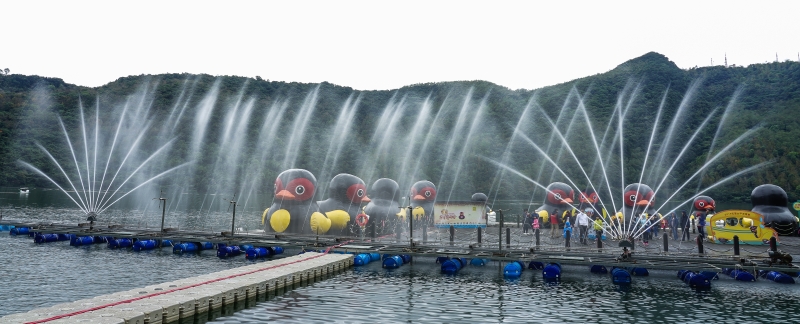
(682, 274)
(362, 259)
(601, 269)
(406, 258)
(513, 269)
(262, 252)
(641, 272)
(776, 276)
(19, 231)
(244, 247)
(65, 237)
(119, 243)
(535, 265)
(551, 272)
(257, 253)
(102, 239)
(206, 246)
(141, 245)
(478, 262)
(186, 247)
(711, 275)
(374, 256)
(392, 261)
(45, 238)
(224, 251)
(739, 274)
(620, 276)
(82, 240)
(274, 250)
(6, 227)
(696, 280)
(451, 266)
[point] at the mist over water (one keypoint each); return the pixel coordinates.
(203, 142)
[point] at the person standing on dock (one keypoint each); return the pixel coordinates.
(571, 215)
(673, 225)
(526, 223)
(567, 232)
(535, 225)
(655, 222)
(598, 227)
(701, 224)
(645, 225)
(554, 224)
(583, 225)
(684, 226)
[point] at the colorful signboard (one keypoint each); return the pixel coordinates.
(460, 214)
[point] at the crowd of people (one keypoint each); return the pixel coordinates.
(532, 223)
(649, 226)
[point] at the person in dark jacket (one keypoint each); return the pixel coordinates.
(644, 220)
(526, 222)
(701, 224)
(673, 225)
(684, 226)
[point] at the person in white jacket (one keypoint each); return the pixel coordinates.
(583, 225)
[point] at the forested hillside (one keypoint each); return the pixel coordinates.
(222, 124)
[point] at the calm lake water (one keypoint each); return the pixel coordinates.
(419, 293)
(40, 275)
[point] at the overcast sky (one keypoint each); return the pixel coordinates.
(386, 44)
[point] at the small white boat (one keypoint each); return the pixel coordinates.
(23, 190)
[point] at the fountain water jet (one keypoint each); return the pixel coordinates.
(624, 103)
(90, 200)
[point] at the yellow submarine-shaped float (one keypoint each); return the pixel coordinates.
(749, 226)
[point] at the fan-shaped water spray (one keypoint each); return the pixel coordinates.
(660, 174)
(92, 199)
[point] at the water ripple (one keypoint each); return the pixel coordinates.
(418, 293)
(42, 275)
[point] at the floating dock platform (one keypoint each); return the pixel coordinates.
(494, 244)
(503, 244)
(182, 299)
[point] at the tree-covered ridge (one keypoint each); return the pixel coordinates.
(768, 95)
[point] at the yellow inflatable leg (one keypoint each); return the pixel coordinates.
(279, 221)
(339, 219)
(418, 213)
(319, 223)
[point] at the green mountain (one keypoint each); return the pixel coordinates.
(461, 149)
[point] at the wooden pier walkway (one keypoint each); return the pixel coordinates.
(181, 299)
